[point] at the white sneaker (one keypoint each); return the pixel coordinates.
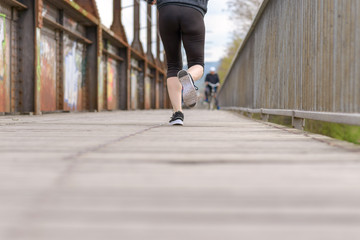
(189, 89)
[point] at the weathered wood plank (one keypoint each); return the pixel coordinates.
(306, 57)
(120, 175)
(356, 89)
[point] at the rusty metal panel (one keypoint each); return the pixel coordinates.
(48, 62)
(102, 83)
(14, 61)
(161, 91)
(50, 12)
(74, 26)
(74, 68)
(147, 94)
(61, 70)
(157, 90)
(153, 89)
(112, 49)
(112, 84)
(5, 82)
(134, 77)
(26, 56)
(92, 68)
(123, 78)
(141, 86)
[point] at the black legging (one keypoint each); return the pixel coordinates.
(180, 23)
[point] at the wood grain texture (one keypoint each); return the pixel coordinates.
(122, 175)
(306, 56)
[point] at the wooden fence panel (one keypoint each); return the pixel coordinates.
(299, 55)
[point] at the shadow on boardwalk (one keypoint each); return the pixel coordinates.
(127, 175)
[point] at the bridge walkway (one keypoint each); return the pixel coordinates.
(127, 175)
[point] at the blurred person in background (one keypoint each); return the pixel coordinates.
(212, 81)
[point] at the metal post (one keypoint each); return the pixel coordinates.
(158, 61)
(117, 26)
(92, 52)
(136, 44)
(149, 54)
(265, 117)
(128, 79)
(38, 26)
(298, 123)
(89, 6)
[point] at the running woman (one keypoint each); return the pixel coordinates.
(182, 21)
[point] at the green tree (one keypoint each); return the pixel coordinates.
(242, 14)
(226, 61)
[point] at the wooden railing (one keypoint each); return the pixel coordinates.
(299, 56)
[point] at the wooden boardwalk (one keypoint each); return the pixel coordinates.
(129, 176)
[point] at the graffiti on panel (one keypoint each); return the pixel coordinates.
(102, 77)
(147, 90)
(4, 64)
(48, 73)
(157, 101)
(153, 92)
(161, 92)
(2, 47)
(70, 24)
(134, 84)
(73, 73)
(134, 96)
(112, 76)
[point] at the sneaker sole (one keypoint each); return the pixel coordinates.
(177, 122)
(189, 92)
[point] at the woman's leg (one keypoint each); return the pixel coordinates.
(174, 88)
(193, 37)
(196, 72)
(171, 37)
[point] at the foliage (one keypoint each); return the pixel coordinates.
(242, 12)
(338, 131)
(226, 61)
(342, 132)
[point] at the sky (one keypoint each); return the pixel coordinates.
(217, 21)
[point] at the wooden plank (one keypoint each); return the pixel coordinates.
(356, 88)
(337, 57)
(86, 179)
(281, 49)
(345, 98)
(319, 55)
(305, 57)
(299, 52)
(260, 63)
(327, 55)
(288, 72)
(309, 29)
(352, 56)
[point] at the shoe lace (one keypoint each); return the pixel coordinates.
(172, 117)
(196, 88)
(175, 115)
